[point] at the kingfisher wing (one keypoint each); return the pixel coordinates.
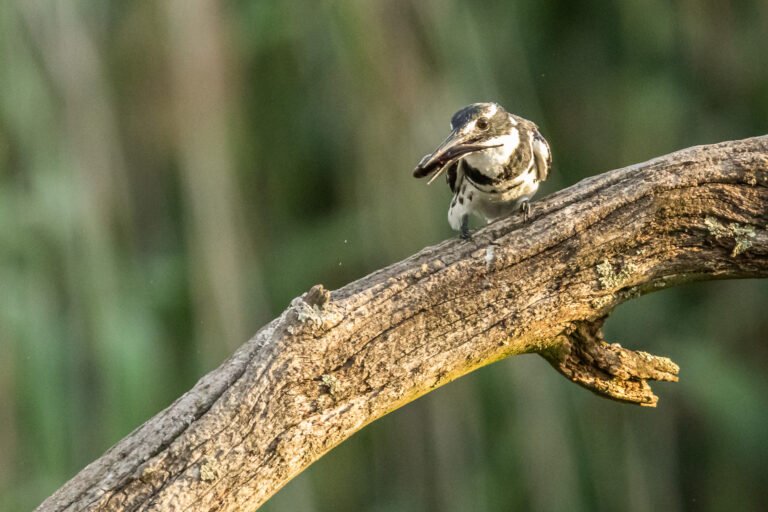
(542, 156)
(452, 176)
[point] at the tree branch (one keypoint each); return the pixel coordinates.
(334, 362)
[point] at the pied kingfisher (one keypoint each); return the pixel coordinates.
(494, 162)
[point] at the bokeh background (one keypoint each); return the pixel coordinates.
(173, 173)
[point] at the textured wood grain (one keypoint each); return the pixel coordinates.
(334, 362)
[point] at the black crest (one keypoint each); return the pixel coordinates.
(466, 114)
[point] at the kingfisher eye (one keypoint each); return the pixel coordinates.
(482, 124)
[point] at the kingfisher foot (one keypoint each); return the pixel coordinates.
(464, 232)
(525, 207)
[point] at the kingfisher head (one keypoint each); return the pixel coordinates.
(483, 133)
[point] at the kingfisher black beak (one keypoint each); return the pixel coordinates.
(452, 149)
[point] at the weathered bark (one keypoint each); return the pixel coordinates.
(334, 362)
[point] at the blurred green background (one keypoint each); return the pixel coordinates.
(173, 173)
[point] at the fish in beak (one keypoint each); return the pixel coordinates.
(453, 148)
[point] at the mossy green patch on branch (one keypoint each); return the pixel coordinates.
(331, 383)
(742, 235)
(612, 278)
(601, 302)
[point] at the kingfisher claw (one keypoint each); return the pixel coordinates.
(525, 207)
(464, 232)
